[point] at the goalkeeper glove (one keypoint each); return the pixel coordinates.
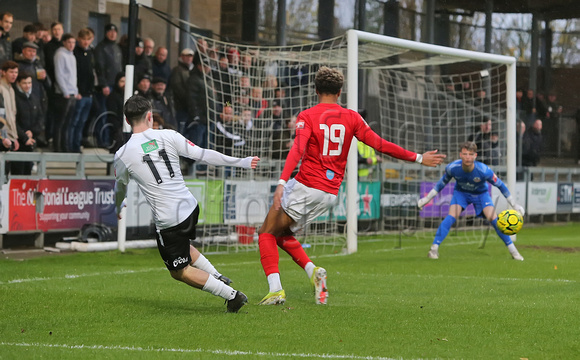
(425, 200)
(515, 206)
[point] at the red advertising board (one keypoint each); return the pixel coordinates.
(22, 205)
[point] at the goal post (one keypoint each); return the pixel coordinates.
(254, 93)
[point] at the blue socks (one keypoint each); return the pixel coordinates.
(444, 228)
(505, 238)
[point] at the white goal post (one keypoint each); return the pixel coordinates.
(354, 37)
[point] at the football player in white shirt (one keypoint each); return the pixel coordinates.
(151, 158)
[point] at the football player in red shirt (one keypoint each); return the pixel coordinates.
(323, 137)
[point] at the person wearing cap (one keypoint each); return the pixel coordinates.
(41, 82)
(108, 63)
(143, 64)
(28, 34)
(178, 87)
(162, 102)
(143, 86)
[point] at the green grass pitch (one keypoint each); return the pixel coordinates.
(384, 303)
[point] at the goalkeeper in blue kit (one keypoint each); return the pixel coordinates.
(471, 188)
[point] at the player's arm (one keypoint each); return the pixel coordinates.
(121, 181)
(492, 178)
(365, 134)
(188, 149)
(303, 132)
(438, 187)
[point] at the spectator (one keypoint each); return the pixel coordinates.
(41, 33)
(367, 157)
(28, 35)
(5, 143)
(541, 107)
(482, 102)
(532, 145)
(115, 115)
(280, 131)
(222, 81)
(41, 82)
(50, 47)
(529, 106)
(198, 102)
(66, 89)
(159, 123)
(161, 103)
(143, 64)
(143, 86)
(495, 153)
(551, 123)
(178, 87)
(148, 47)
(6, 20)
(519, 104)
(108, 63)
(86, 83)
(482, 139)
(9, 75)
(159, 64)
(29, 120)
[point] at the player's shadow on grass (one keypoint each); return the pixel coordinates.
(182, 306)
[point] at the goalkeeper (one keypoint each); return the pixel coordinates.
(471, 188)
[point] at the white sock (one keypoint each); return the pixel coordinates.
(434, 246)
(202, 263)
(309, 268)
(218, 288)
(512, 248)
(274, 282)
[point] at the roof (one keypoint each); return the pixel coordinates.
(551, 10)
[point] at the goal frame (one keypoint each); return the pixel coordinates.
(353, 38)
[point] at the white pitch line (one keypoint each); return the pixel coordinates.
(462, 277)
(76, 276)
(198, 350)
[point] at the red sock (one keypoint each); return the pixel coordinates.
(294, 248)
(268, 253)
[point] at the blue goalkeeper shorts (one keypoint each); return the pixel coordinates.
(479, 201)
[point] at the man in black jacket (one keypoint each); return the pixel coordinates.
(532, 145)
(29, 120)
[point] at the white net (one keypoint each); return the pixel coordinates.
(417, 101)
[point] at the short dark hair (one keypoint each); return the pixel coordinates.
(7, 65)
(135, 109)
(29, 29)
(23, 75)
(67, 37)
(469, 146)
(56, 23)
(328, 81)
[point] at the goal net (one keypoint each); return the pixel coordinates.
(419, 96)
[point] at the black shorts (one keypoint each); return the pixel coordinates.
(173, 242)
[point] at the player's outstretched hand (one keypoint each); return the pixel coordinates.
(422, 202)
(432, 159)
(520, 209)
(255, 160)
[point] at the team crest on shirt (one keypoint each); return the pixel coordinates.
(329, 174)
(476, 179)
(299, 125)
(149, 146)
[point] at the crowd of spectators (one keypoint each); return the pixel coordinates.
(61, 92)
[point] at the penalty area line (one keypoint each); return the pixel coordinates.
(198, 350)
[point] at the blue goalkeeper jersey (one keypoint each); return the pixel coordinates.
(474, 182)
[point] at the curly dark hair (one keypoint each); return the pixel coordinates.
(328, 81)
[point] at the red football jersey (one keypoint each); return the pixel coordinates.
(323, 135)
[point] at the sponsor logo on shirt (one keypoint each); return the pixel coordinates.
(300, 125)
(149, 146)
(494, 178)
(476, 179)
(190, 143)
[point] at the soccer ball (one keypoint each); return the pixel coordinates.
(510, 222)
